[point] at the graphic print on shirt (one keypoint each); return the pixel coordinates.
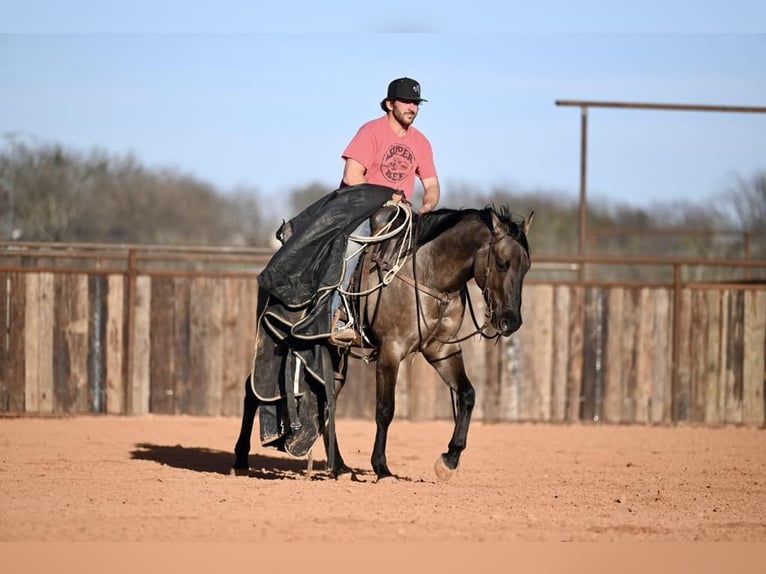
(398, 162)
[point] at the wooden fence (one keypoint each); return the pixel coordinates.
(136, 340)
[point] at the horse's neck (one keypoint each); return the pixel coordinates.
(451, 255)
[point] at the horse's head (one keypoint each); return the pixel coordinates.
(500, 267)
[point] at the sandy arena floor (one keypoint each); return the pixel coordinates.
(157, 478)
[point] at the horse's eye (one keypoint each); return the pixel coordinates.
(502, 266)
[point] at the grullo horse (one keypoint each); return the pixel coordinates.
(421, 309)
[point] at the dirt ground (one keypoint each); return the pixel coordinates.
(157, 478)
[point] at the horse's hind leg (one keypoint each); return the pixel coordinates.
(242, 448)
(340, 370)
(448, 362)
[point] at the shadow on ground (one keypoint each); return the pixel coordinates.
(200, 459)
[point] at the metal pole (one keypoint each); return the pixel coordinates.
(662, 106)
(583, 187)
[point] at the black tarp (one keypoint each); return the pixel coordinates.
(294, 316)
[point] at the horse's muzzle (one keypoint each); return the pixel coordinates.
(509, 323)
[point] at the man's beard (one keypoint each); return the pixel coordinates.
(404, 118)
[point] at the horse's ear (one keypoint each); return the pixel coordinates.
(528, 222)
(499, 229)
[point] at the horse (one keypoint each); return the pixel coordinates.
(421, 308)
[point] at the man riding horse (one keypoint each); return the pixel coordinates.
(387, 151)
(417, 304)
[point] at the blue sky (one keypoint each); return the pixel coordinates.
(260, 98)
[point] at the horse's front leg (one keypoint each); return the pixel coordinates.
(448, 362)
(385, 377)
(242, 448)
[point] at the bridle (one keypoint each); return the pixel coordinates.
(445, 299)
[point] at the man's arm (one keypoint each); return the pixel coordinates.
(354, 172)
(431, 194)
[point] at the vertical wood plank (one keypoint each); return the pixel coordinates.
(12, 353)
(139, 386)
(724, 344)
(542, 329)
(511, 364)
(78, 338)
(613, 363)
(233, 304)
(575, 360)
(240, 306)
(5, 388)
(45, 344)
(32, 344)
(644, 356)
(70, 344)
(206, 346)
(521, 382)
(115, 345)
(162, 346)
(216, 350)
(474, 356)
(493, 392)
(182, 393)
(61, 367)
(713, 399)
(683, 391)
(698, 340)
(734, 357)
(662, 366)
(357, 400)
(97, 319)
(754, 367)
(629, 352)
(593, 340)
(561, 329)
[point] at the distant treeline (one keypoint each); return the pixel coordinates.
(49, 193)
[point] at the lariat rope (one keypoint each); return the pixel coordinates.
(386, 232)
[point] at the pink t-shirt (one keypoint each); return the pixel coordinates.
(390, 159)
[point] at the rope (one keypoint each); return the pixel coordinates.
(386, 232)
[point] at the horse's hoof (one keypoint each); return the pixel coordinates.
(239, 471)
(348, 476)
(388, 479)
(443, 472)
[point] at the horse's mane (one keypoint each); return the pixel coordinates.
(432, 224)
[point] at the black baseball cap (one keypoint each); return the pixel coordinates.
(404, 89)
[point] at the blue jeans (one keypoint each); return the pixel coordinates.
(351, 256)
